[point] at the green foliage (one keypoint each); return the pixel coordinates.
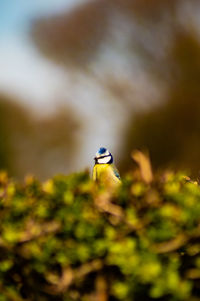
(67, 239)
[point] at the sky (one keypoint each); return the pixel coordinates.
(23, 71)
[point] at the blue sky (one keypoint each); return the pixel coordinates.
(15, 15)
(24, 72)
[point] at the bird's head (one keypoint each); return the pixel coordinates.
(103, 156)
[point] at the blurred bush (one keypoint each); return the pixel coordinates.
(67, 239)
(36, 144)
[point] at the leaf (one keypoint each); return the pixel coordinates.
(144, 165)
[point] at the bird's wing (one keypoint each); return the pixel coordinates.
(116, 172)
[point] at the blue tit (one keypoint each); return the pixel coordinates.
(104, 171)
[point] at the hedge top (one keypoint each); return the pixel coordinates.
(67, 239)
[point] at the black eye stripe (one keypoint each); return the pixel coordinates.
(103, 157)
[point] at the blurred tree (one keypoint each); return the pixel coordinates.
(159, 43)
(39, 145)
(13, 121)
(72, 37)
(171, 132)
(78, 37)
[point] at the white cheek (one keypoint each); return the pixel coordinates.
(104, 160)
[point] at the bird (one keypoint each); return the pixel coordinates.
(104, 170)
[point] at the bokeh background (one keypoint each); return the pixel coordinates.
(76, 75)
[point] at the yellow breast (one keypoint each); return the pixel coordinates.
(104, 173)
